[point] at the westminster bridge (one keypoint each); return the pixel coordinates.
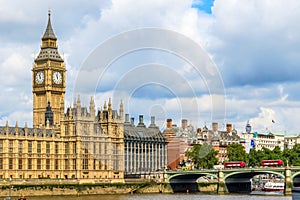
(231, 180)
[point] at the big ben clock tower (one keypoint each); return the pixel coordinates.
(48, 81)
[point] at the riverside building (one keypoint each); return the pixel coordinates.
(78, 144)
(182, 139)
(145, 148)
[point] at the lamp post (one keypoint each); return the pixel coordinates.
(9, 186)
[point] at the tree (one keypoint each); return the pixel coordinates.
(277, 153)
(292, 155)
(236, 152)
(203, 156)
(255, 157)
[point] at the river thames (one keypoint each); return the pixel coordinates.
(166, 197)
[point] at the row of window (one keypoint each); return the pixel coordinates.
(268, 142)
(21, 164)
(68, 164)
(85, 128)
(38, 147)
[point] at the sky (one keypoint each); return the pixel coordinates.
(228, 61)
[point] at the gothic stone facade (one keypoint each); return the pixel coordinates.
(73, 145)
(85, 146)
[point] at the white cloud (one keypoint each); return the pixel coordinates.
(254, 43)
(20, 117)
(254, 39)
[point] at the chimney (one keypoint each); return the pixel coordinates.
(132, 121)
(229, 128)
(152, 125)
(169, 123)
(127, 118)
(183, 123)
(141, 123)
(199, 131)
(215, 127)
(152, 120)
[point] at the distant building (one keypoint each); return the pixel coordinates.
(267, 140)
(182, 139)
(291, 140)
(220, 139)
(145, 148)
(173, 148)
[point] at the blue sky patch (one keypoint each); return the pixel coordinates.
(203, 5)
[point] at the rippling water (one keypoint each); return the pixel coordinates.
(165, 197)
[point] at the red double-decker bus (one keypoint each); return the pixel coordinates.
(272, 163)
(234, 164)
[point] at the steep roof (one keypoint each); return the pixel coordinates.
(49, 33)
(142, 132)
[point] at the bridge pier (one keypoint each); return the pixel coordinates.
(288, 181)
(222, 188)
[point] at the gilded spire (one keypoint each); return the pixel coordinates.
(109, 104)
(49, 34)
(78, 100)
(104, 107)
(121, 105)
(92, 102)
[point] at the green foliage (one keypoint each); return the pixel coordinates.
(292, 155)
(203, 156)
(255, 157)
(236, 152)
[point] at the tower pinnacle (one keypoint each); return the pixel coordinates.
(49, 34)
(49, 44)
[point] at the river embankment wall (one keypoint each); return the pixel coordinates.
(78, 189)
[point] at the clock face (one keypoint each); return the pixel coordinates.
(57, 77)
(39, 77)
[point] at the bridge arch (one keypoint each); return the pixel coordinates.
(196, 174)
(240, 181)
(186, 181)
(295, 174)
(253, 172)
(295, 178)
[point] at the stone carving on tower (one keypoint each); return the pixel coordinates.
(48, 79)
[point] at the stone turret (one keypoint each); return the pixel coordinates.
(92, 108)
(121, 111)
(109, 110)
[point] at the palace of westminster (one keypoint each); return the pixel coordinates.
(80, 144)
(88, 144)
